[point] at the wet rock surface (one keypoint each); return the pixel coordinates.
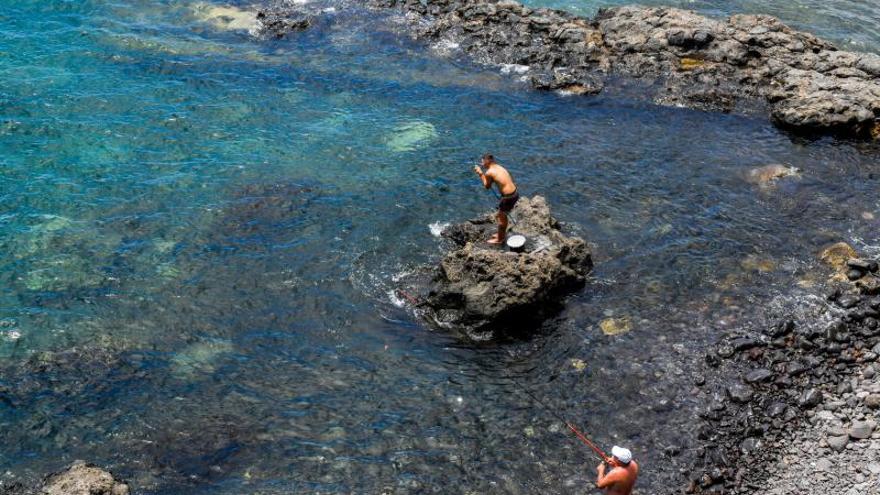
(739, 64)
(80, 478)
(769, 175)
(480, 287)
(84, 479)
(280, 20)
(801, 416)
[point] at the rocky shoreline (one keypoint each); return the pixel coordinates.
(800, 416)
(738, 65)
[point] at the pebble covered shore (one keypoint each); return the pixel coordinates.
(792, 408)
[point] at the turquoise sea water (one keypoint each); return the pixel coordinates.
(202, 230)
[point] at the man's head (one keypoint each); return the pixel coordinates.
(488, 160)
(620, 456)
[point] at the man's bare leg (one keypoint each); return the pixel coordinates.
(502, 229)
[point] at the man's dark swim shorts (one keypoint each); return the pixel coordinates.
(508, 201)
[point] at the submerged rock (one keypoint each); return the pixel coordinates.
(227, 17)
(615, 326)
(849, 267)
(837, 255)
(769, 174)
(410, 136)
(479, 286)
(199, 357)
(83, 479)
(807, 83)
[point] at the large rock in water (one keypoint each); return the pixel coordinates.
(83, 479)
(479, 286)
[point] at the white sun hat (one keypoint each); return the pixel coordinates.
(623, 455)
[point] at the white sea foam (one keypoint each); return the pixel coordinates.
(866, 247)
(514, 69)
(445, 47)
(437, 228)
(395, 300)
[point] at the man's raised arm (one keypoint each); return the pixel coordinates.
(485, 178)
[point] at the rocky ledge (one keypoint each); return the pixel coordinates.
(728, 65)
(278, 21)
(80, 478)
(479, 287)
(792, 408)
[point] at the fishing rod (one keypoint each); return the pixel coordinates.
(583, 438)
(410, 298)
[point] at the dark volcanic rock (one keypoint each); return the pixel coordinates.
(279, 21)
(859, 264)
(704, 63)
(740, 393)
(827, 365)
(869, 285)
(847, 301)
(479, 286)
(759, 375)
(810, 398)
(854, 274)
(740, 344)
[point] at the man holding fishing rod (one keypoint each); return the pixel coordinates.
(624, 470)
(622, 477)
(498, 175)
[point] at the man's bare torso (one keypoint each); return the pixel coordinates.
(502, 178)
(623, 479)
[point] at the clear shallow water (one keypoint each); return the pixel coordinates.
(204, 228)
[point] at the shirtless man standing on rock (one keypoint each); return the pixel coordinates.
(624, 471)
(496, 174)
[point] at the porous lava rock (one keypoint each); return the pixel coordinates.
(280, 19)
(479, 286)
(744, 63)
(82, 478)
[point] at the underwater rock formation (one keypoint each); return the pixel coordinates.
(479, 286)
(770, 174)
(806, 83)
